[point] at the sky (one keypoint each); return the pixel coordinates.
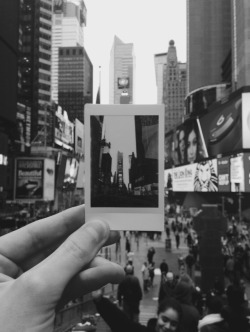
(116, 133)
(149, 25)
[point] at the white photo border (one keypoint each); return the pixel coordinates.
(126, 218)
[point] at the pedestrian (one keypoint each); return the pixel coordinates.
(129, 294)
(212, 320)
(150, 255)
(190, 262)
(163, 267)
(177, 239)
(151, 268)
(167, 286)
(191, 316)
(145, 276)
(168, 318)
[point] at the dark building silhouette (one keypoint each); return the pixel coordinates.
(75, 81)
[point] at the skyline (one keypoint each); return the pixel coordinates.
(149, 27)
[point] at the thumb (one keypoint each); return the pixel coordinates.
(76, 252)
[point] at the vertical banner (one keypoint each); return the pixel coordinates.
(237, 173)
(247, 171)
(246, 120)
(224, 174)
(49, 179)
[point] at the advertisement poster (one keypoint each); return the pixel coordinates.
(183, 178)
(237, 173)
(206, 176)
(189, 144)
(29, 179)
(224, 174)
(79, 137)
(64, 129)
(49, 180)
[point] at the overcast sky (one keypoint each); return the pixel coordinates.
(149, 25)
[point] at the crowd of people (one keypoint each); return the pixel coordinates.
(181, 304)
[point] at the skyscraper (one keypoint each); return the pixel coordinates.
(160, 64)
(69, 20)
(75, 87)
(35, 66)
(121, 71)
(174, 88)
(208, 41)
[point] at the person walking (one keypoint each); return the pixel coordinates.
(129, 294)
(145, 276)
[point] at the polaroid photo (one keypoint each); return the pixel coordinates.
(124, 164)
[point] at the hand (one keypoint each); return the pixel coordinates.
(49, 262)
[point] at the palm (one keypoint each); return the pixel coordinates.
(49, 262)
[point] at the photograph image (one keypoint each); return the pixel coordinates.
(124, 161)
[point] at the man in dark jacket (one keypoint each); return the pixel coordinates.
(129, 294)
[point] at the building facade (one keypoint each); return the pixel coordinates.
(208, 41)
(174, 88)
(75, 87)
(69, 20)
(35, 66)
(121, 71)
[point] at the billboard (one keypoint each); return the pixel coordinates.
(226, 129)
(79, 137)
(64, 129)
(29, 178)
(201, 177)
(34, 179)
(189, 146)
(224, 184)
(123, 82)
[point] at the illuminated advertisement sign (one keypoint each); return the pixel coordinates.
(35, 179)
(79, 137)
(237, 173)
(81, 175)
(49, 179)
(64, 129)
(29, 179)
(224, 174)
(123, 82)
(227, 128)
(71, 171)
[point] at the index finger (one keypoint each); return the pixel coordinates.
(41, 234)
